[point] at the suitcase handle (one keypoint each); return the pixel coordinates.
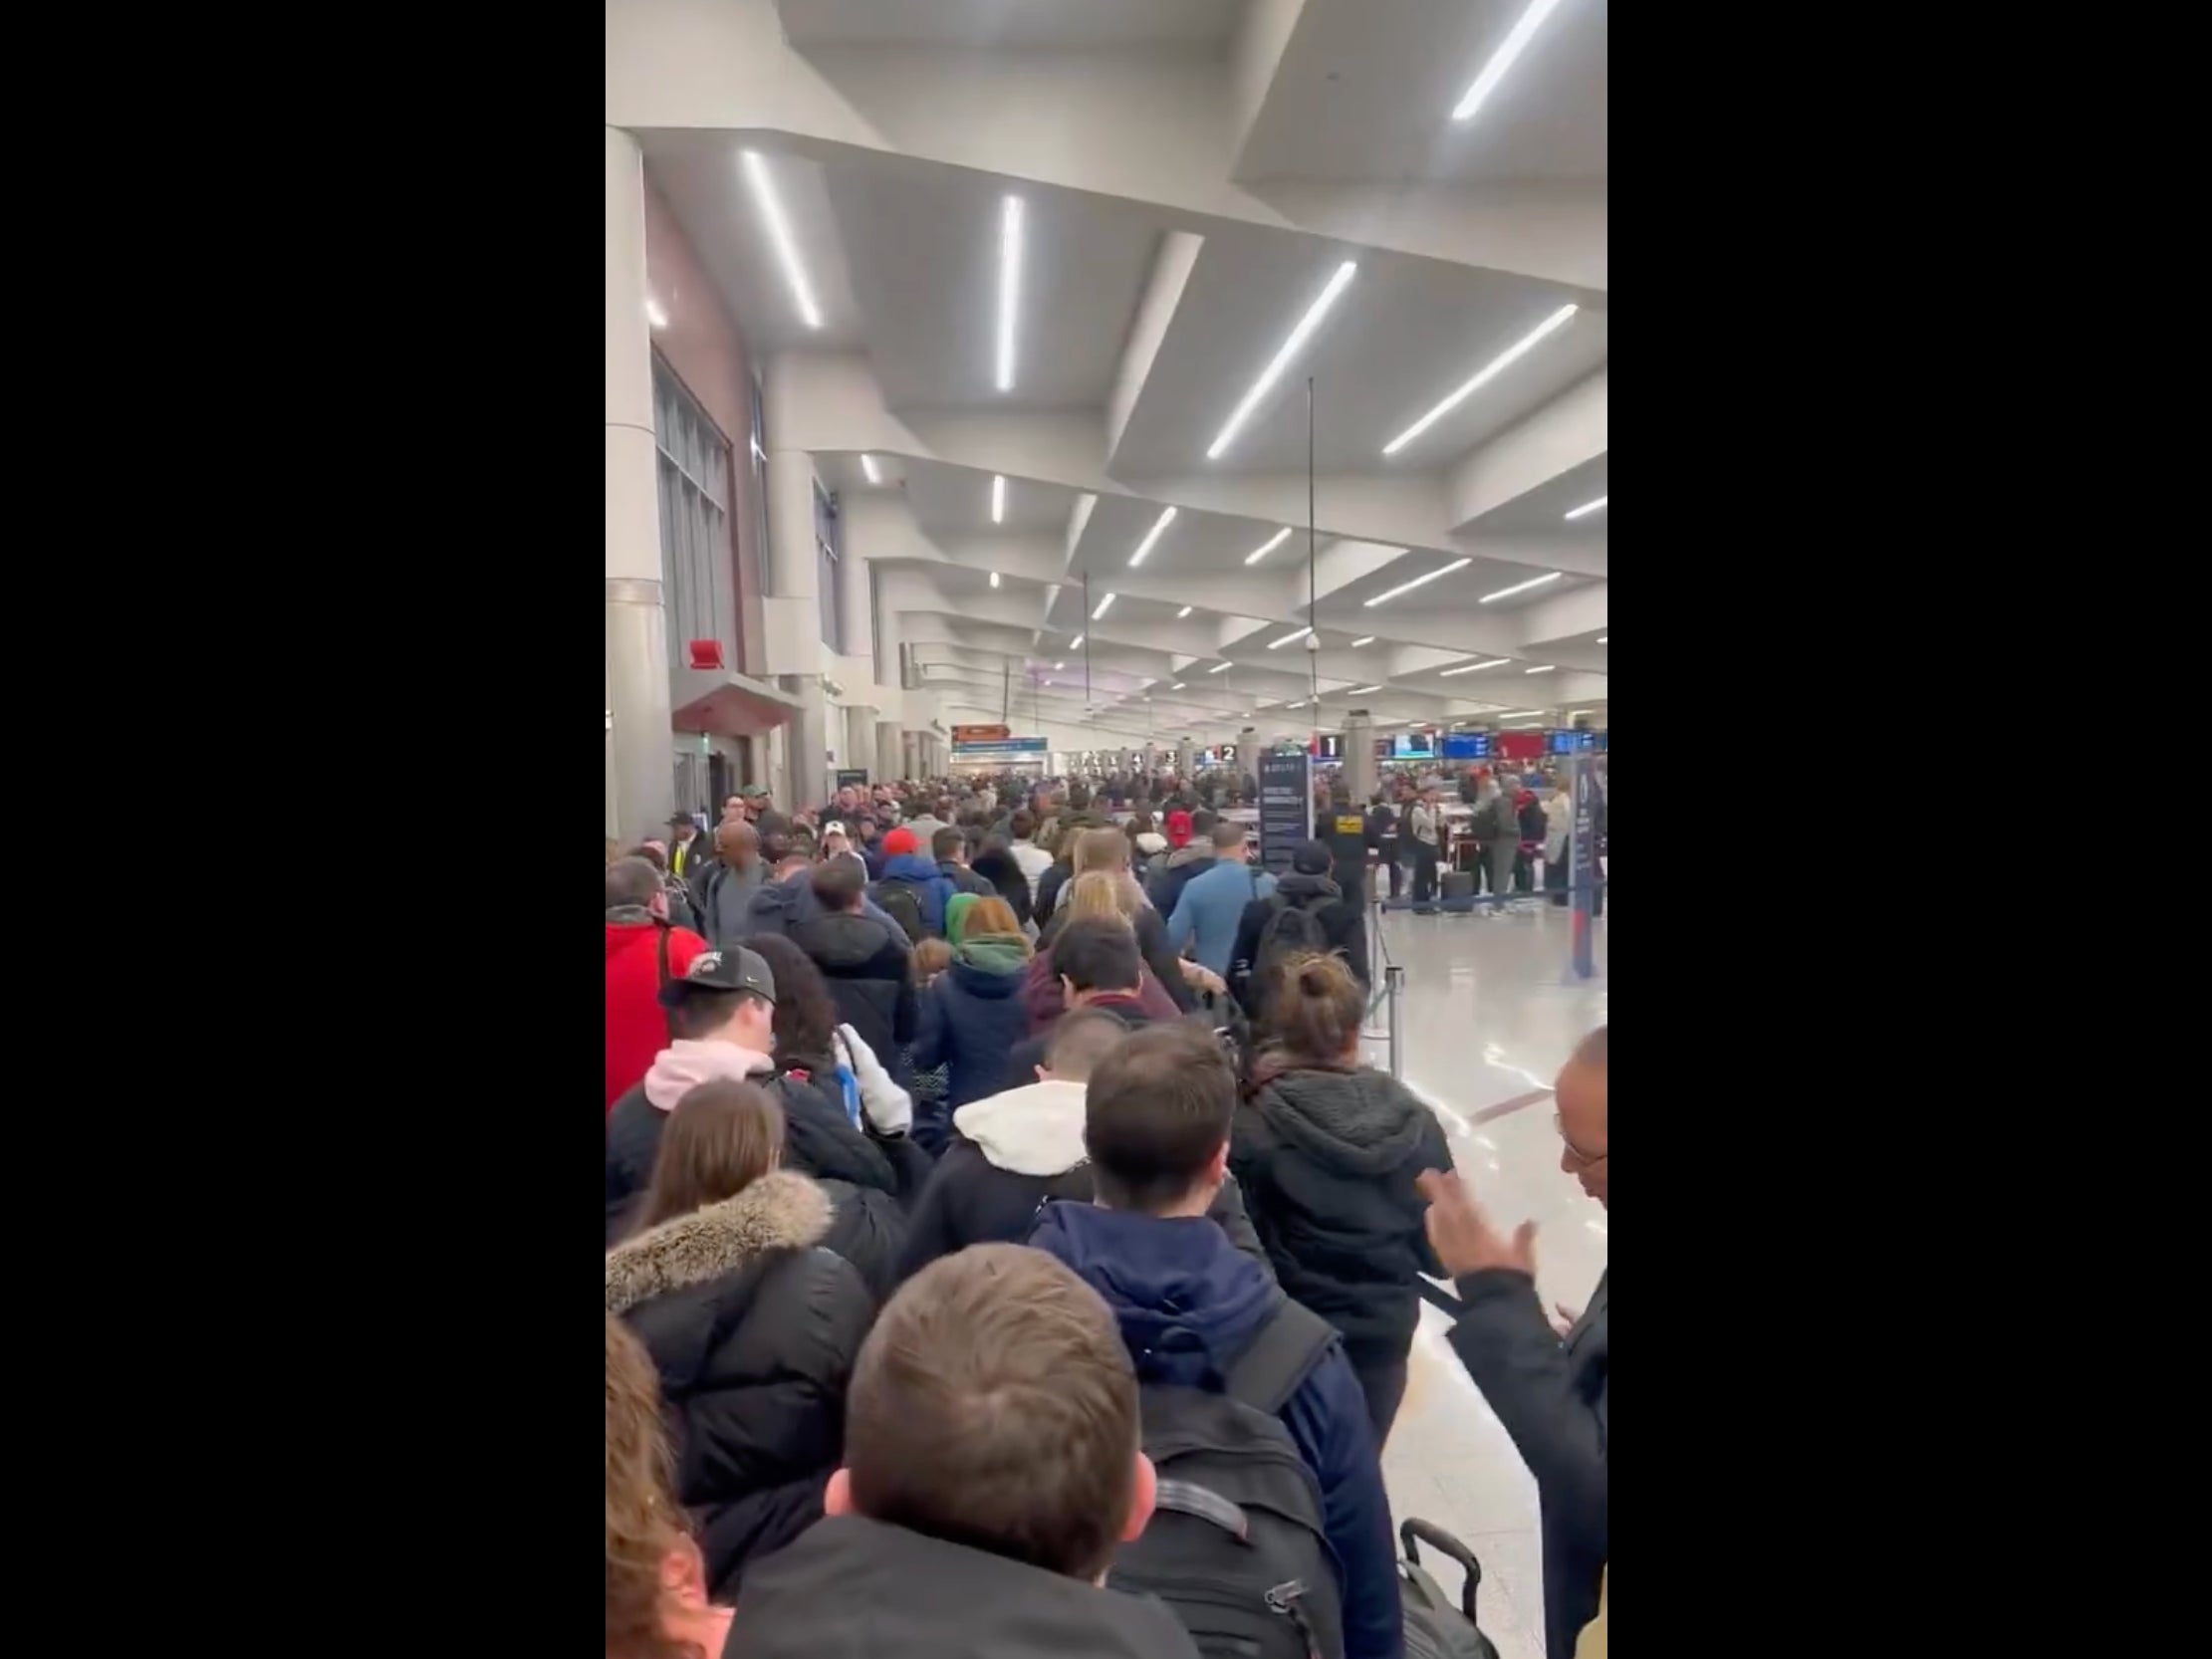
(1437, 1539)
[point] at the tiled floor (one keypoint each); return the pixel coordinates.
(1489, 1018)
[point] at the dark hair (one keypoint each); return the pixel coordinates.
(1156, 1113)
(1023, 823)
(948, 842)
(994, 1405)
(1314, 1009)
(1097, 953)
(1079, 796)
(838, 882)
(1140, 824)
(1204, 820)
(1081, 1040)
(806, 1018)
(999, 867)
(702, 1013)
(721, 1139)
(652, 854)
(630, 881)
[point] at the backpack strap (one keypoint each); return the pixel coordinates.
(1282, 1356)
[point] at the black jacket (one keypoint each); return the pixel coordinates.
(1328, 1161)
(1550, 1397)
(754, 1332)
(853, 1586)
(819, 1140)
(964, 880)
(866, 965)
(1013, 1152)
(1004, 872)
(1344, 927)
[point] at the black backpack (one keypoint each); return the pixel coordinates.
(898, 900)
(1293, 930)
(1236, 1544)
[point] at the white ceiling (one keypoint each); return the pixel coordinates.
(1129, 374)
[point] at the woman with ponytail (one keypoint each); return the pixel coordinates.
(1326, 1150)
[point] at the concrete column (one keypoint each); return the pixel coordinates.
(1360, 770)
(1186, 760)
(640, 749)
(794, 619)
(889, 751)
(860, 739)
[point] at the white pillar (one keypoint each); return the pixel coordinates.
(641, 750)
(889, 753)
(791, 576)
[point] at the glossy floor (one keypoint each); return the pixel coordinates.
(1489, 1017)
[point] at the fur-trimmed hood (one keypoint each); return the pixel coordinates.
(783, 1210)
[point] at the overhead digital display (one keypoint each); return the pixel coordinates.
(1466, 746)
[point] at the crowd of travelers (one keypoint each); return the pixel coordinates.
(1008, 1251)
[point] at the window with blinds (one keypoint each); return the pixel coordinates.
(695, 543)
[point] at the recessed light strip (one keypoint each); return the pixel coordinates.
(1010, 285)
(994, 578)
(1219, 668)
(1542, 668)
(1470, 667)
(1274, 371)
(1361, 690)
(1150, 536)
(1363, 639)
(1521, 587)
(1587, 507)
(1288, 637)
(779, 236)
(654, 315)
(1273, 541)
(1409, 587)
(1180, 615)
(1509, 50)
(868, 465)
(998, 498)
(1076, 644)
(1103, 606)
(1497, 365)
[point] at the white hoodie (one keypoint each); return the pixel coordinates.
(888, 1107)
(1035, 1129)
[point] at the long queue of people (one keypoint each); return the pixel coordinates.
(986, 1275)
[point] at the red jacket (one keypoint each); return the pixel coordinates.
(636, 1024)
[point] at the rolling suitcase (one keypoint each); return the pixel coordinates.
(1434, 1628)
(1459, 883)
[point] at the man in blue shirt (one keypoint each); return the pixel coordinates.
(1212, 905)
(1157, 1117)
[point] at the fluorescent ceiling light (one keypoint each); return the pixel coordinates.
(1519, 714)
(1076, 644)
(1528, 727)
(994, 578)
(1010, 285)
(998, 498)
(1521, 587)
(1273, 541)
(1516, 42)
(1546, 669)
(1102, 605)
(1150, 536)
(1363, 639)
(1496, 366)
(1361, 690)
(1177, 686)
(1409, 587)
(1057, 666)
(1587, 507)
(868, 465)
(1274, 371)
(1263, 703)
(1221, 668)
(779, 236)
(1470, 667)
(1288, 637)
(1180, 615)
(1602, 638)
(654, 315)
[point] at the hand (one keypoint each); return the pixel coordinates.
(1461, 1234)
(1564, 1319)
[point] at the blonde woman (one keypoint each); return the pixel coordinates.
(1106, 852)
(1096, 893)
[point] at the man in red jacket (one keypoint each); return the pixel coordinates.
(644, 953)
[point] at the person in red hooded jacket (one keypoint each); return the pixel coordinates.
(642, 954)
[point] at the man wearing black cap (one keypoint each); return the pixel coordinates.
(686, 851)
(720, 1014)
(1332, 924)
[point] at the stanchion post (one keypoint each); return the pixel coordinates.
(1394, 987)
(1582, 788)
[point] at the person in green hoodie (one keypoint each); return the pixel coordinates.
(972, 1014)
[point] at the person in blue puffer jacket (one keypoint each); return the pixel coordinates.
(1190, 1302)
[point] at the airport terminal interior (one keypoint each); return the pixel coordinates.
(1179, 416)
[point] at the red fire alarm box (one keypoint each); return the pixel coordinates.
(708, 654)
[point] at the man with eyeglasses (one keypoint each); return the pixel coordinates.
(1547, 1386)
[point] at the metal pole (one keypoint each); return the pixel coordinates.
(1394, 987)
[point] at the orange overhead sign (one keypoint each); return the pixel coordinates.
(980, 734)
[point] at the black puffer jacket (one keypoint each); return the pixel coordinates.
(1342, 923)
(1326, 1160)
(754, 1331)
(865, 966)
